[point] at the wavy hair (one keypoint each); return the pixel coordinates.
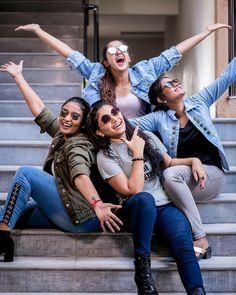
(103, 143)
(108, 83)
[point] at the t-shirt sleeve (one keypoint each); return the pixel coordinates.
(107, 167)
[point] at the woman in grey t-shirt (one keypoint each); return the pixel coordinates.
(131, 162)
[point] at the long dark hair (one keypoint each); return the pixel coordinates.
(103, 143)
(154, 92)
(108, 83)
(85, 107)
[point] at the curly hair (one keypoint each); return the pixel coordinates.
(103, 143)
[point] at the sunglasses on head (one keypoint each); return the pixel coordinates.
(171, 84)
(74, 116)
(113, 50)
(107, 118)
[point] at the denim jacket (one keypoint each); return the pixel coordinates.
(197, 109)
(142, 74)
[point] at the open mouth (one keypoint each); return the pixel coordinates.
(66, 125)
(120, 59)
(117, 125)
(177, 88)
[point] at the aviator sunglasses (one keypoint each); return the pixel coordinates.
(107, 118)
(74, 116)
(171, 84)
(113, 50)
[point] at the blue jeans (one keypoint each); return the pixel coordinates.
(143, 218)
(41, 186)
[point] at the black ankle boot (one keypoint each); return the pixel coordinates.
(198, 291)
(143, 276)
(6, 246)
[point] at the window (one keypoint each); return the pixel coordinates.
(232, 41)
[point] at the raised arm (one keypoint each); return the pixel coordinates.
(193, 41)
(33, 101)
(48, 39)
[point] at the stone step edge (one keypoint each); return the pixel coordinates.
(24, 143)
(218, 263)
(210, 228)
(44, 84)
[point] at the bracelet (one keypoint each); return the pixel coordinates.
(137, 159)
(94, 203)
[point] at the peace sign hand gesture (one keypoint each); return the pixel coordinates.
(136, 144)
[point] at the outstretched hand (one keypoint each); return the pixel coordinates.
(28, 28)
(199, 172)
(12, 68)
(107, 218)
(217, 26)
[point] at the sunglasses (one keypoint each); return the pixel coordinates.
(113, 50)
(171, 84)
(74, 116)
(107, 118)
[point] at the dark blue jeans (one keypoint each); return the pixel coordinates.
(143, 218)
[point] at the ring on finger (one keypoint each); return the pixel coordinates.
(202, 177)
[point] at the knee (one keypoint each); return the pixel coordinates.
(169, 175)
(23, 170)
(144, 200)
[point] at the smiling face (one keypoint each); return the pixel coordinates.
(70, 119)
(110, 123)
(171, 91)
(117, 58)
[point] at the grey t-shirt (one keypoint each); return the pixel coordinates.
(121, 162)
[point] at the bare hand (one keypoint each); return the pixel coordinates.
(199, 172)
(136, 144)
(29, 28)
(107, 217)
(13, 69)
(217, 26)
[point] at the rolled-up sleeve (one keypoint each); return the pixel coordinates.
(47, 121)
(166, 60)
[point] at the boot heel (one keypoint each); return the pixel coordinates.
(9, 254)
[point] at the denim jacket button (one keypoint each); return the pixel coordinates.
(76, 221)
(67, 205)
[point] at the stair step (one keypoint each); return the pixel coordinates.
(42, 18)
(21, 152)
(8, 109)
(225, 128)
(34, 44)
(34, 60)
(71, 274)
(79, 293)
(53, 92)
(52, 242)
(59, 31)
(24, 129)
(45, 75)
(60, 6)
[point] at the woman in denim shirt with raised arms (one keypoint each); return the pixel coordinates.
(187, 130)
(64, 191)
(113, 79)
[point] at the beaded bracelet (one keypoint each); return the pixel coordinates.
(94, 203)
(137, 159)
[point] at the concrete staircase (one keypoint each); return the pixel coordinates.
(50, 261)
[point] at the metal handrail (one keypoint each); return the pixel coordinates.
(91, 7)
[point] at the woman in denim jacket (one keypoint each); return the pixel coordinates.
(113, 79)
(64, 191)
(187, 130)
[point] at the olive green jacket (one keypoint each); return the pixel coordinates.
(71, 157)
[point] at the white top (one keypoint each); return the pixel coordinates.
(121, 162)
(130, 105)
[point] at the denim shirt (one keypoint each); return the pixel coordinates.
(142, 74)
(197, 109)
